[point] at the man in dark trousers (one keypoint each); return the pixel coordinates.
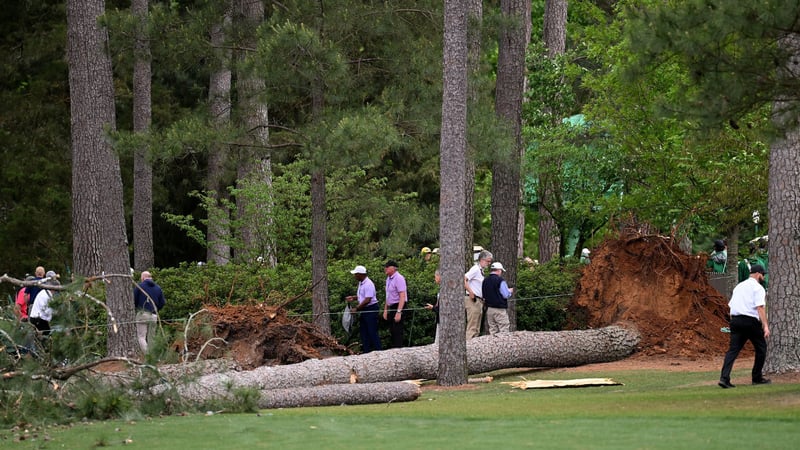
(367, 307)
(748, 322)
(396, 298)
(148, 299)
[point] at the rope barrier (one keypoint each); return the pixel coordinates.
(304, 315)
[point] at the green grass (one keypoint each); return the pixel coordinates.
(653, 410)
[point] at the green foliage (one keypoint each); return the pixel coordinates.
(543, 293)
(675, 171)
(103, 403)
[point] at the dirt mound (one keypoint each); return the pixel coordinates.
(648, 281)
(258, 335)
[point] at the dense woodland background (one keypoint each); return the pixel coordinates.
(383, 69)
(307, 135)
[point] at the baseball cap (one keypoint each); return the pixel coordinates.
(359, 269)
(758, 268)
(51, 274)
(497, 266)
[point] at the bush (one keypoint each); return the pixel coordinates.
(543, 293)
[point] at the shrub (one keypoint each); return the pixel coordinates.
(543, 293)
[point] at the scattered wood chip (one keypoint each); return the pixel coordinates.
(480, 380)
(544, 384)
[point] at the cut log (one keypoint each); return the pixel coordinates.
(339, 394)
(484, 354)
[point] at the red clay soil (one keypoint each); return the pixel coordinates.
(648, 281)
(258, 335)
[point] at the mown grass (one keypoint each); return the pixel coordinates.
(652, 410)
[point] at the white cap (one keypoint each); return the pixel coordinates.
(359, 269)
(585, 252)
(51, 274)
(497, 266)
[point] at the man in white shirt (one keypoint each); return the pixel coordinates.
(473, 300)
(748, 322)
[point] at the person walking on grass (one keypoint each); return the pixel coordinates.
(473, 300)
(396, 298)
(748, 323)
(496, 294)
(148, 299)
(367, 310)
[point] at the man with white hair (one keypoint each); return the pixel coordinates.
(496, 294)
(473, 300)
(148, 299)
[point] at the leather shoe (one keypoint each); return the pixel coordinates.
(763, 381)
(725, 384)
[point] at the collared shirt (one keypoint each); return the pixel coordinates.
(395, 284)
(41, 308)
(474, 278)
(366, 289)
(747, 297)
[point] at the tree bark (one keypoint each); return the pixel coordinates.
(219, 97)
(474, 36)
(254, 163)
(484, 354)
(96, 171)
(339, 394)
(143, 255)
(506, 182)
(555, 39)
(319, 252)
(784, 239)
(452, 368)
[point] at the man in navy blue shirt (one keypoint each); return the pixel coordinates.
(148, 299)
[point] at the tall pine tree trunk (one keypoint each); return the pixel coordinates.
(254, 164)
(219, 98)
(555, 38)
(96, 169)
(474, 36)
(783, 302)
(506, 182)
(452, 366)
(143, 256)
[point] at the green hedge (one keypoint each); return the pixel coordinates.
(542, 292)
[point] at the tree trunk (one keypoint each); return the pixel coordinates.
(319, 253)
(143, 256)
(96, 171)
(452, 368)
(339, 394)
(484, 354)
(254, 165)
(506, 182)
(474, 36)
(555, 38)
(784, 239)
(219, 97)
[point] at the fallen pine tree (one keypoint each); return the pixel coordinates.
(484, 354)
(340, 394)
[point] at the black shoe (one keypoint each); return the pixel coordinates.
(763, 381)
(725, 384)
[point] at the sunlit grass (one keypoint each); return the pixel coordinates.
(653, 409)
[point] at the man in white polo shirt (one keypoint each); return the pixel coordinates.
(748, 322)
